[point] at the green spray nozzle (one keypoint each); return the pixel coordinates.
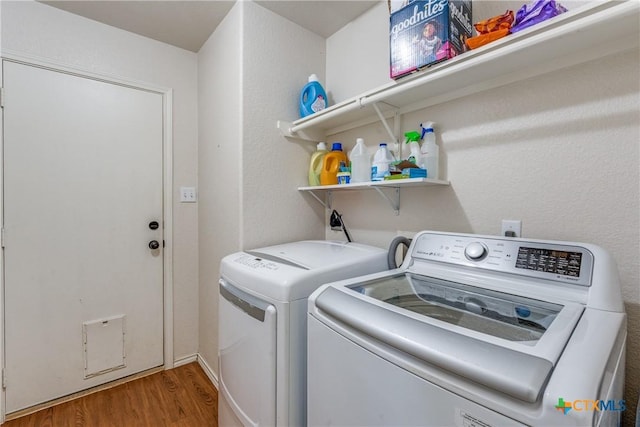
(413, 136)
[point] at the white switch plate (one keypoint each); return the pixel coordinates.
(514, 225)
(188, 195)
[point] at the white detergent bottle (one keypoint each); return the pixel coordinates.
(381, 163)
(360, 162)
(430, 151)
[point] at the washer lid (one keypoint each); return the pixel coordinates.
(505, 316)
(516, 374)
(508, 342)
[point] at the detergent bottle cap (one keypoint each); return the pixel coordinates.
(321, 146)
(313, 78)
(383, 144)
(337, 146)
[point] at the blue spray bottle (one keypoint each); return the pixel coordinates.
(313, 98)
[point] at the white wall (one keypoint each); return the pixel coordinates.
(354, 64)
(278, 57)
(559, 152)
(248, 173)
(37, 30)
(219, 167)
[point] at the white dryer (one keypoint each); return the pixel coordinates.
(262, 325)
(471, 331)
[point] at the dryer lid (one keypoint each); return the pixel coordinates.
(291, 271)
(313, 254)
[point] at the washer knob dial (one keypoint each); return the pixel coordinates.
(475, 251)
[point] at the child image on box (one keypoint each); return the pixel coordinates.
(430, 45)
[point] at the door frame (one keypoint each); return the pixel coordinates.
(167, 195)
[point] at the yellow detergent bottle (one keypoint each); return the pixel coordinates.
(331, 164)
(315, 166)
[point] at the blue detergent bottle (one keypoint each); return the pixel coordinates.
(313, 98)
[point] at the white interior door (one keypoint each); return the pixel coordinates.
(82, 182)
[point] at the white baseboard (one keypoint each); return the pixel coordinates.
(207, 370)
(203, 364)
(185, 360)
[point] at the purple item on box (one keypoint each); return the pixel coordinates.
(540, 11)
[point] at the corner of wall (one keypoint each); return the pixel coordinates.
(219, 154)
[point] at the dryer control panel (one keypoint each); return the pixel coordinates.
(557, 262)
(256, 263)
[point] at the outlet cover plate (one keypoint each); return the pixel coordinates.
(188, 195)
(511, 225)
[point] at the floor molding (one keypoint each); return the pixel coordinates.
(185, 360)
(207, 370)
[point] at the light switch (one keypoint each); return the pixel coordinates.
(188, 195)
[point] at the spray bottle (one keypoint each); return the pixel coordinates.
(430, 150)
(413, 138)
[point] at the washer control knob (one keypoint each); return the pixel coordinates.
(475, 251)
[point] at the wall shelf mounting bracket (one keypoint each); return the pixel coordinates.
(383, 120)
(394, 199)
(288, 130)
(328, 198)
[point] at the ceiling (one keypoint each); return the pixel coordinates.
(189, 23)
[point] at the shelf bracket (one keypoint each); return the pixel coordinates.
(326, 203)
(394, 201)
(287, 130)
(384, 122)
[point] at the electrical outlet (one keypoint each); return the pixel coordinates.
(511, 228)
(188, 195)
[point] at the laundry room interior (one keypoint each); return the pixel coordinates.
(553, 144)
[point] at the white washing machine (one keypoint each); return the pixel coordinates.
(262, 325)
(471, 331)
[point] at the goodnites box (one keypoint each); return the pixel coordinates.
(426, 32)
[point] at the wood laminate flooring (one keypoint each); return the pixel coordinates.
(179, 397)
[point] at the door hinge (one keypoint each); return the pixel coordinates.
(2, 237)
(4, 380)
(1, 97)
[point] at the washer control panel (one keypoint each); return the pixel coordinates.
(551, 261)
(475, 251)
